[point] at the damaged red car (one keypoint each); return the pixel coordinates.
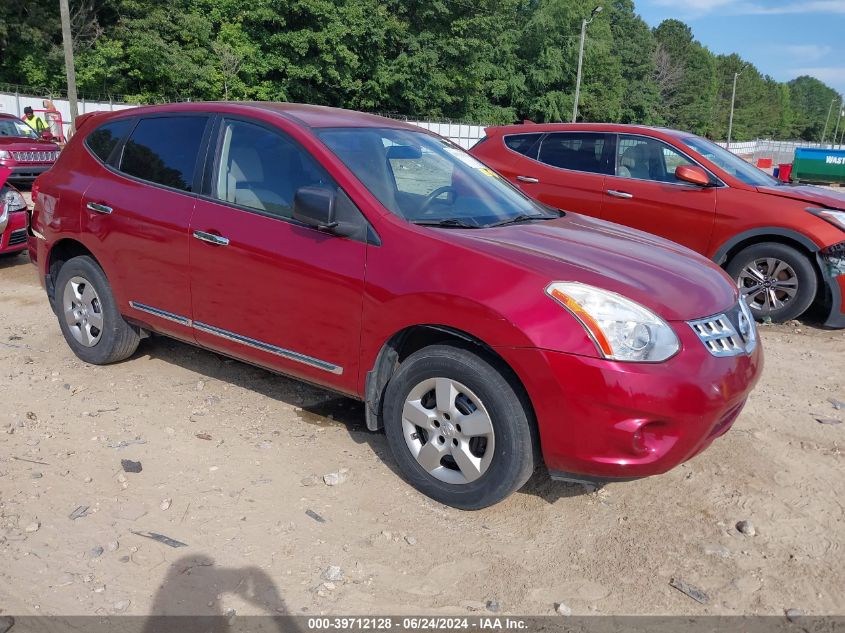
(487, 335)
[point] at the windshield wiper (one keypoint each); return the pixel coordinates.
(522, 217)
(447, 223)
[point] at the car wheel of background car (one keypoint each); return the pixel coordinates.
(778, 281)
(88, 314)
(461, 432)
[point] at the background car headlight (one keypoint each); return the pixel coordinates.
(4, 154)
(621, 329)
(14, 199)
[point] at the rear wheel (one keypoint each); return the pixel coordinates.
(777, 281)
(88, 315)
(458, 428)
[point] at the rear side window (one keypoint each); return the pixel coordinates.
(106, 137)
(582, 151)
(164, 150)
(522, 143)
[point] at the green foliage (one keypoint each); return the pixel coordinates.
(495, 61)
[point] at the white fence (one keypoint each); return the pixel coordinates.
(13, 103)
(778, 151)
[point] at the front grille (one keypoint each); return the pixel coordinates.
(34, 157)
(729, 334)
(17, 237)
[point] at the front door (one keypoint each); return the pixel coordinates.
(644, 194)
(264, 287)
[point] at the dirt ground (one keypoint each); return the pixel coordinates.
(233, 459)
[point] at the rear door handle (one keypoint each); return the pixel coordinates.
(527, 179)
(217, 240)
(619, 194)
(96, 207)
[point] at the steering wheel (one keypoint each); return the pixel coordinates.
(434, 195)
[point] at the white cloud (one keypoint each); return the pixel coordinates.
(807, 52)
(697, 8)
(828, 74)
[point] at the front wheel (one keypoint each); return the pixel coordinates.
(777, 281)
(91, 323)
(459, 427)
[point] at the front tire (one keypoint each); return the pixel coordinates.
(459, 427)
(88, 316)
(777, 281)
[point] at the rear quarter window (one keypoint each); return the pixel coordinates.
(163, 150)
(105, 138)
(524, 144)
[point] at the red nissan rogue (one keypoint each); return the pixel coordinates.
(484, 332)
(784, 245)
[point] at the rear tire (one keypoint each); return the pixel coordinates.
(777, 281)
(461, 431)
(88, 316)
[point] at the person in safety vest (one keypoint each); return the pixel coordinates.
(34, 121)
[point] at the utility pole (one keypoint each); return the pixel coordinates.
(584, 24)
(67, 41)
(733, 99)
(827, 120)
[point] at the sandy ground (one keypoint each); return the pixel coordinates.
(233, 459)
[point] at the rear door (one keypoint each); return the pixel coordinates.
(644, 194)
(137, 211)
(266, 288)
(566, 170)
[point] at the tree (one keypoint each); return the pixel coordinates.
(811, 103)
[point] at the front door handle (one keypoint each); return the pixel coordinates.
(217, 240)
(96, 207)
(527, 179)
(620, 194)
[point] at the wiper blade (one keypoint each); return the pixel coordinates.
(524, 217)
(448, 223)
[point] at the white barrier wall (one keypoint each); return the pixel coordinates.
(12, 103)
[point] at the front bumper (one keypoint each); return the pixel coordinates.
(606, 420)
(14, 238)
(26, 173)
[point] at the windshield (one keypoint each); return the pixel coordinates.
(730, 162)
(428, 180)
(11, 127)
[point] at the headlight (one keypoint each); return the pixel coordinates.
(621, 329)
(14, 199)
(4, 154)
(836, 218)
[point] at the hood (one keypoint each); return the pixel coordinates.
(805, 193)
(23, 144)
(675, 282)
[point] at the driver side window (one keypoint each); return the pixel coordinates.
(262, 170)
(643, 158)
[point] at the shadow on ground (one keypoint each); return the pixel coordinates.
(193, 595)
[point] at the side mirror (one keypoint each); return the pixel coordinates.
(692, 174)
(47, 135)
(315, 206)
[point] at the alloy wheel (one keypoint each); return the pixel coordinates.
(768, 284)
(83, 311)
(448, 430)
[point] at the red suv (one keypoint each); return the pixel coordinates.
(784, 245)
(381, 261)
(22, 151)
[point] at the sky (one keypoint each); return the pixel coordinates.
(781, 38)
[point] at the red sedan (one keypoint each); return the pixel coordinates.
(12, 217)
(783, 245)
(484, 332)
